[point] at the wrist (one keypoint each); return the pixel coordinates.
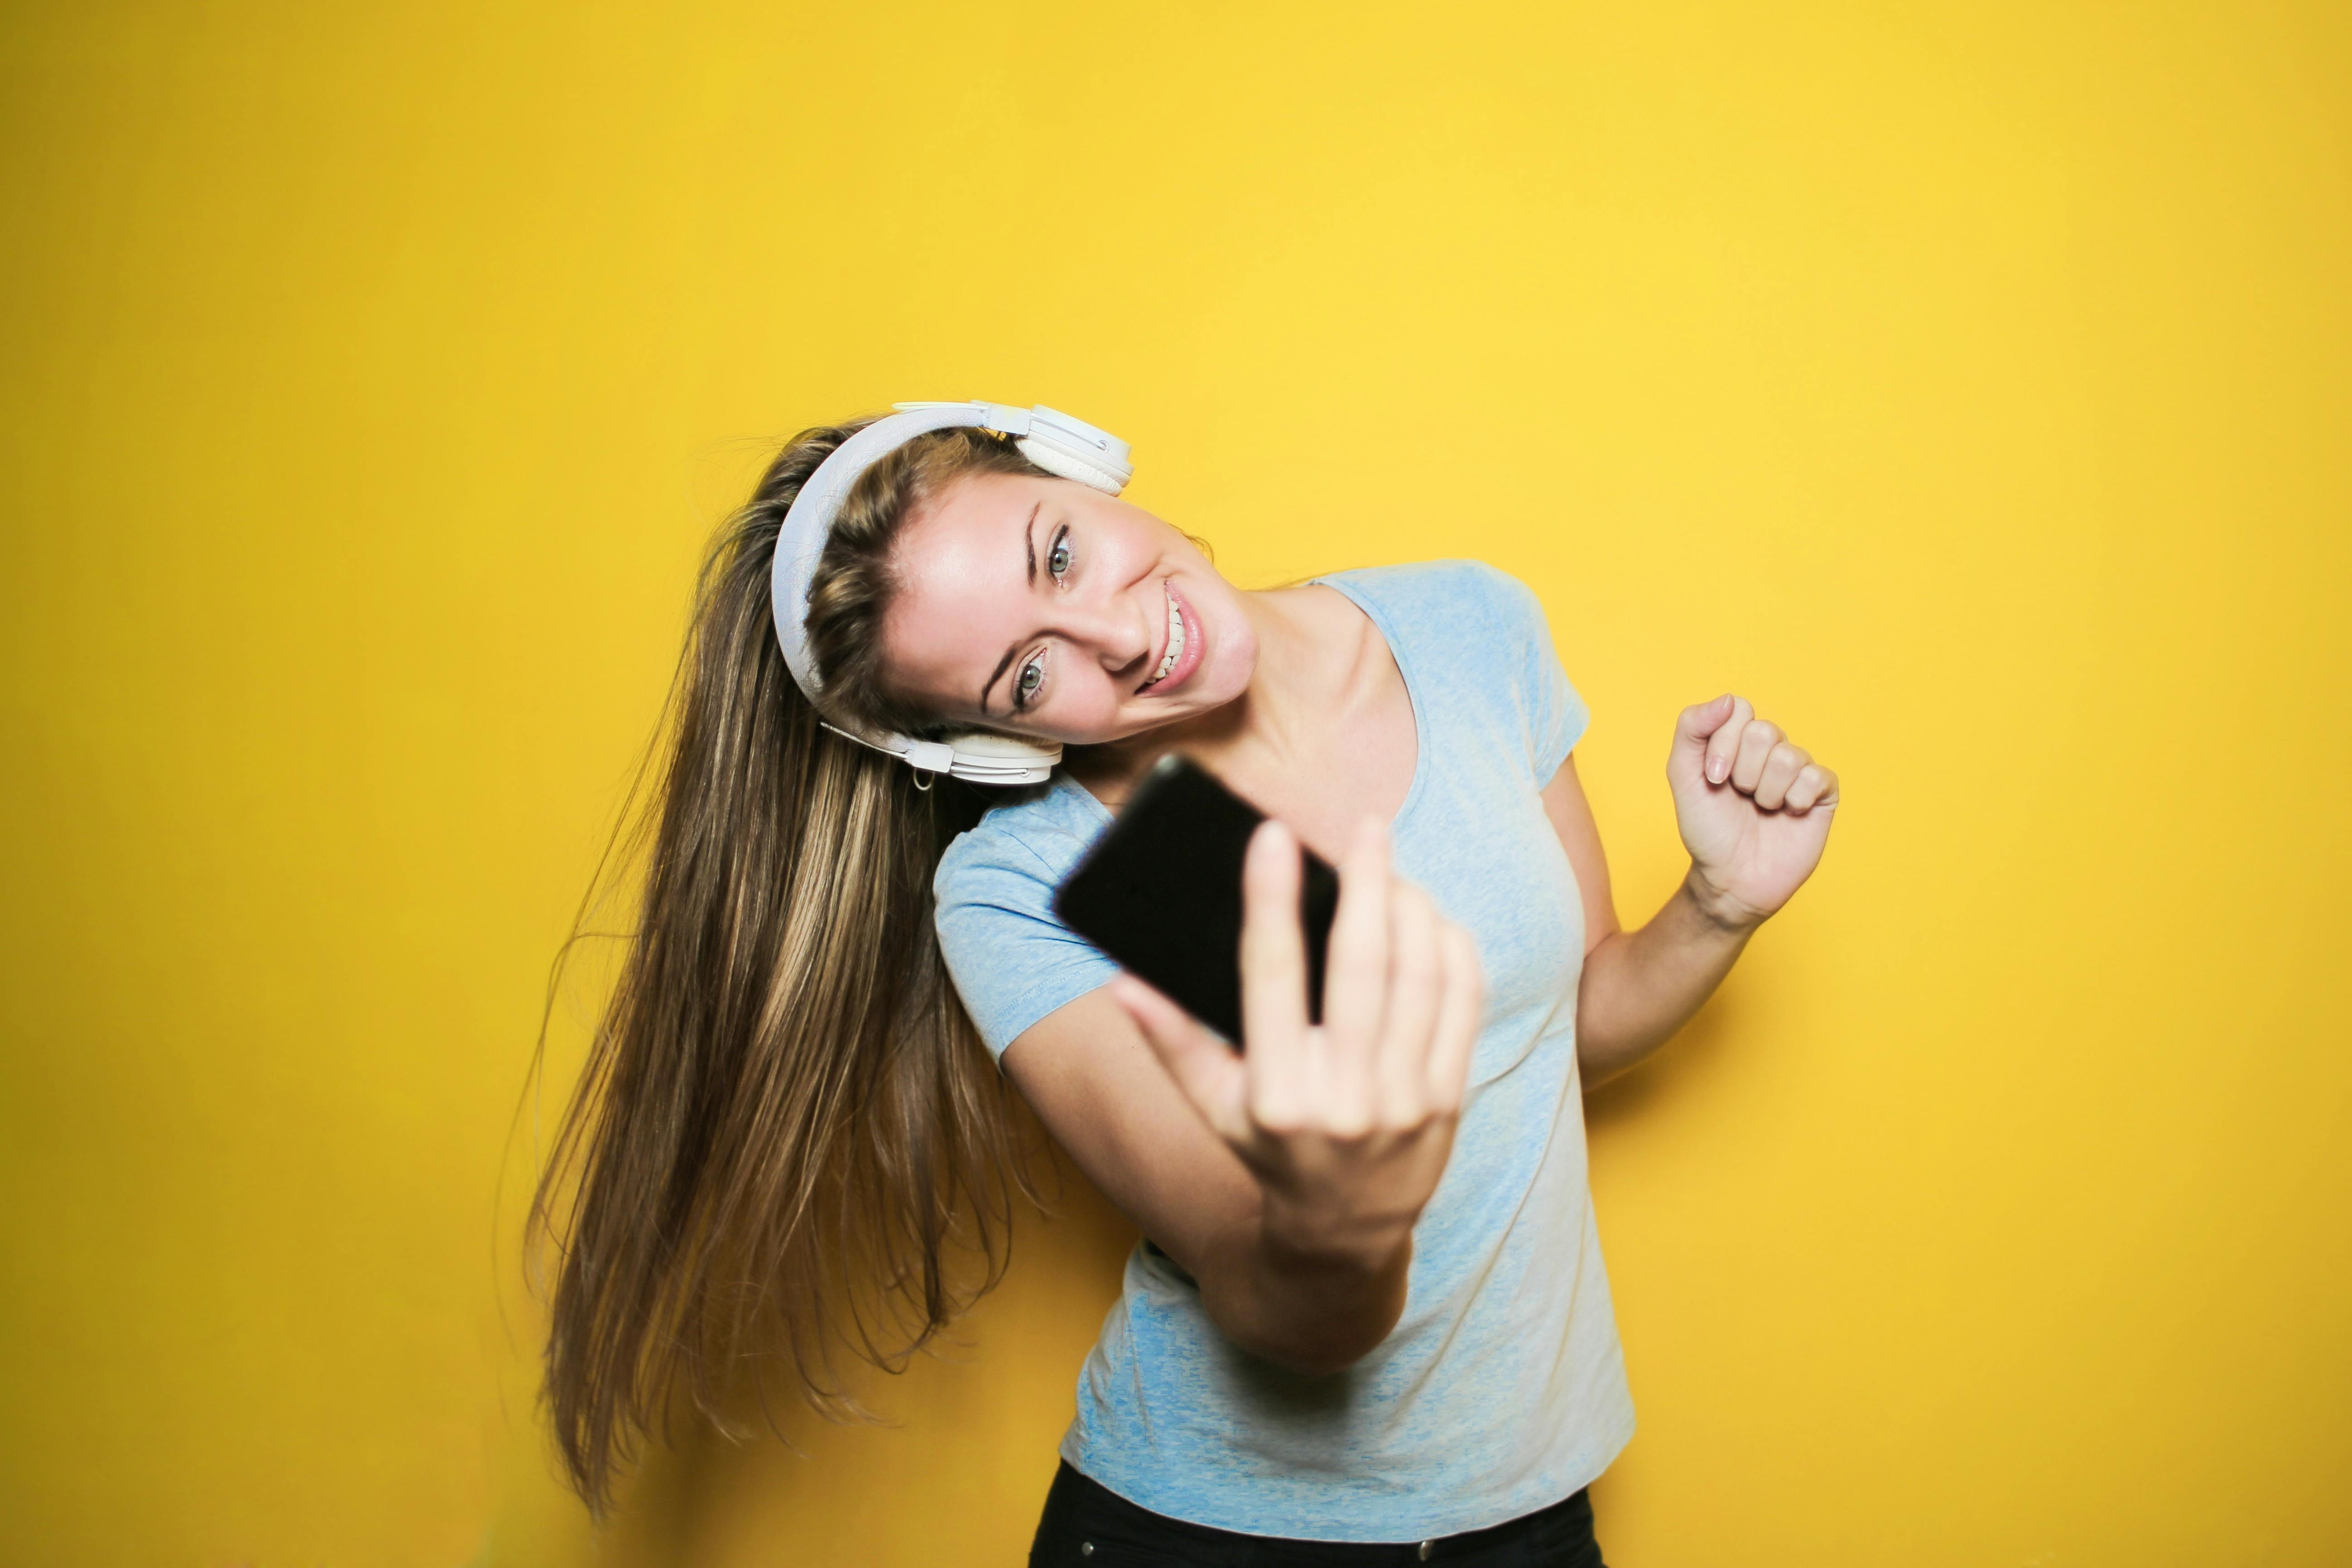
(1325, 1243)
(1716, 906)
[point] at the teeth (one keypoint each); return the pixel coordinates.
(1175, 641)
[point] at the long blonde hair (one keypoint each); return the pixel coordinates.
(787, 1124)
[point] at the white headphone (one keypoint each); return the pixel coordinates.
(1056, 443)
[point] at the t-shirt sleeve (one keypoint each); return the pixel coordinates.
(1011, 962)
(1553, 715)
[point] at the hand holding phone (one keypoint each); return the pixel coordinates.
(1346, 1123)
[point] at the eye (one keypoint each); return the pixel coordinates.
(1057, 560)
(1025, 684)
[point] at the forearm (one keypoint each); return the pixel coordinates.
(1314, 1311)
(1317, 1303)
(1639, 986)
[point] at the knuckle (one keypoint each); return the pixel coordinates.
(1277, 1121)
(1409, 1114)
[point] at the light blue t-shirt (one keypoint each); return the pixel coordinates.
(1502, 1388)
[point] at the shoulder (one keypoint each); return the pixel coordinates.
(1010, 959)
(1434, 603)
(1440, 588)
(1020, 850)
(1465, 615)
(1475, 639)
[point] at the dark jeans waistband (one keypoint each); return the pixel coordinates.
(1088, 1525)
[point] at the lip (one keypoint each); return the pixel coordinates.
(1195, 645)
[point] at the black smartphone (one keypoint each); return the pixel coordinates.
(1160, 892)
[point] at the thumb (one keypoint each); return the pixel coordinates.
(1696, 724)
(1693, 728)
(1205, 1069)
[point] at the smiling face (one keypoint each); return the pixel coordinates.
(1038, 606)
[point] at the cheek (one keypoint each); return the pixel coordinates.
(1088, 708)
(1083, 709)
(1233, 655)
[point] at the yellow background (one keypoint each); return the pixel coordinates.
(1969, 383)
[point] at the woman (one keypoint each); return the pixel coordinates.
(1368, 1322)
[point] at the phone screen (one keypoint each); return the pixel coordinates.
(1160, 892)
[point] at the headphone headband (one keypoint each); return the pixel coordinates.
(1069, 449)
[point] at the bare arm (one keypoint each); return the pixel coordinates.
(1755, 812)
(1642, 985)
(1094, 1081)
(1286, 1182)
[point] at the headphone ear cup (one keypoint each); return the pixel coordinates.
(984, 758)
(1069, 464)
(979, 744)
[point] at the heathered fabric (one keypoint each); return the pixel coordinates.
(1502, 1388)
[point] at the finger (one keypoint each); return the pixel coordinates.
(1416, 985)
(1461, 1003)
(1781, 770)
(1757, 739)
(1274, 970)
(1355, 988)
(1204, 1068)
(1723, 742)
(1273, 945)
(1815, 787)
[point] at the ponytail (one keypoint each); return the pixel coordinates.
(787, 1122)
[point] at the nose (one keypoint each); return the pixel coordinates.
(1117, 627)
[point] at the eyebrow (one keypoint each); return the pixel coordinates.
(1029, 542)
